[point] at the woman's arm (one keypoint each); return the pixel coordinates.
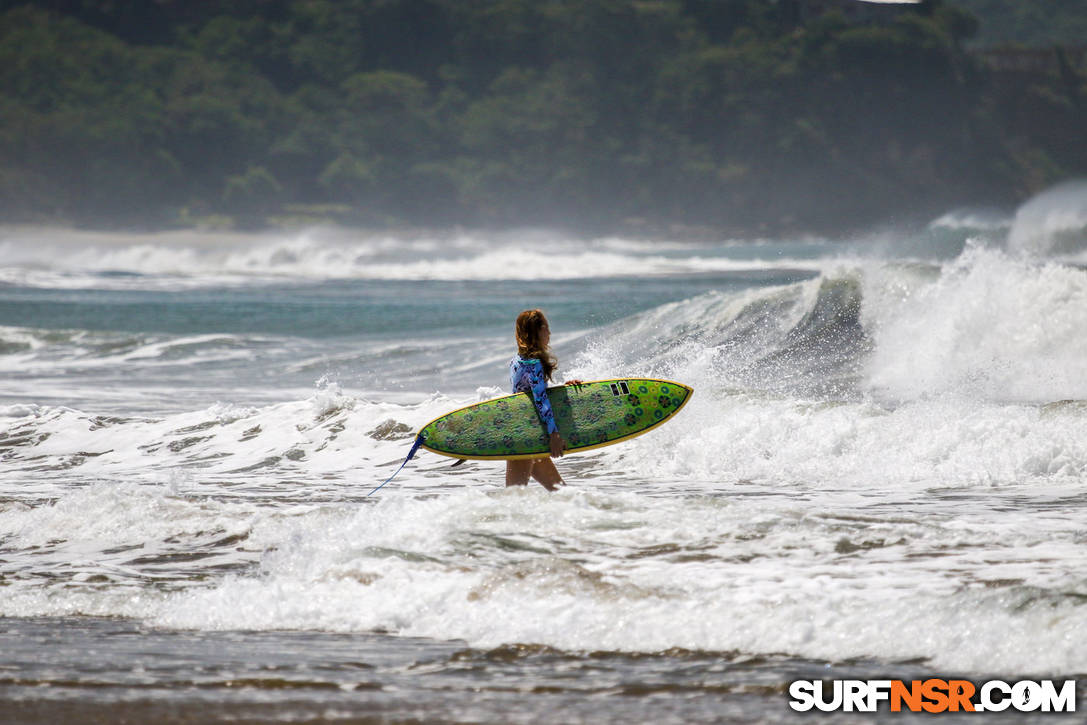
(539, 397)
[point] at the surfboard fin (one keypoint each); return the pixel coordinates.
(459, 461)
(411, 454)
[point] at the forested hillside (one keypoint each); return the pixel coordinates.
(1037, 23)
(605, 114)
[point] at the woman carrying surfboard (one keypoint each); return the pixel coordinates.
(525, 434)
(594, 415)
(530, 370)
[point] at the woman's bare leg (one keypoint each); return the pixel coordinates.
(517, 472)
(544, 471)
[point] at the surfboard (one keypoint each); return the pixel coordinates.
(590, 415)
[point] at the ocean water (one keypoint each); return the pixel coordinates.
(882, 473)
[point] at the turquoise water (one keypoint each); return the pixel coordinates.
(184, 329)
(381, 309)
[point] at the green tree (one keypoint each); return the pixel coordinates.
(252, 195)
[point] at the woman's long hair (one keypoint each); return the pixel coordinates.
(530, 324)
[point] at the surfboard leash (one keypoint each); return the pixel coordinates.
(411, 454)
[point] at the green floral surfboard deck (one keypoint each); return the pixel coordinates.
(590, 415)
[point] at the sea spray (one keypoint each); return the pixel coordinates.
(990, 327)
(1052, 223)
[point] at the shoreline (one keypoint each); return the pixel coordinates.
(107, 670)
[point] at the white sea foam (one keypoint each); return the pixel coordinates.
(990, 327)
(792, 592)
(723, 432)
(186, 260)
(985, 326)
(715, 572)
(953, 389)
(1052, 223)
(221, 439)
(767, 526)
(971, 219)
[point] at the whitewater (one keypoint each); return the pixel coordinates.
(882, 472)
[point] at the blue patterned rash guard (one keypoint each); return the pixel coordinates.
(527, 376)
